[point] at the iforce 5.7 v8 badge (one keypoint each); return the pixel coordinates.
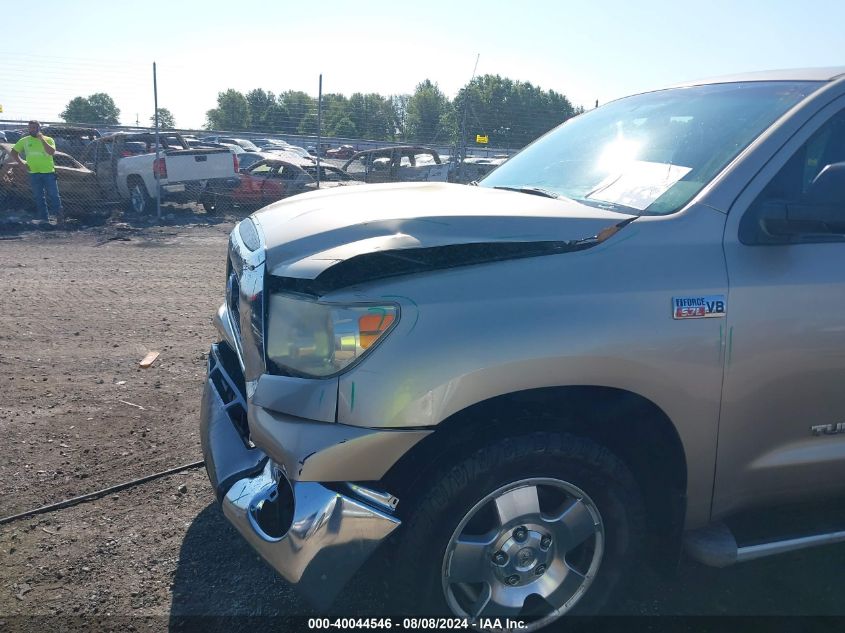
(699, 307)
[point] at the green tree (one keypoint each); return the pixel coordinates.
(97, 108)
(78, 110)
(399, 115)
(165, 120)
(232, 112)
(511, 113)
(104, 108)
(262, 106)
(308, 124)
(425, 110)
(335, 109)
(296, 106)
(344, 128)
(372, 115)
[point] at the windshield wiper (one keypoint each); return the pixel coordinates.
(534, 191)
(610, 206)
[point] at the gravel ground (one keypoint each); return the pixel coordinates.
(77, 414)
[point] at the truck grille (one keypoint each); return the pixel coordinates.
(225, 372)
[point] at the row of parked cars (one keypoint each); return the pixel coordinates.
(220, 172)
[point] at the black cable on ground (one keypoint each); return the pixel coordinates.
(99, 493)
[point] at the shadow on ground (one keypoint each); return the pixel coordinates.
(221, 584)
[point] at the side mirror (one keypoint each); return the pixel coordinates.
(818, 216)
(779, 222)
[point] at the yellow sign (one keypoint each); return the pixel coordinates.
(481, 139)
(1, 107)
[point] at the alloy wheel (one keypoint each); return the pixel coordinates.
(529, 549)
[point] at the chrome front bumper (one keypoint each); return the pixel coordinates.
(315, 537)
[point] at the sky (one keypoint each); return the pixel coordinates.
(588, 51)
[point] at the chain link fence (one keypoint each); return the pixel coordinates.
(280, 143)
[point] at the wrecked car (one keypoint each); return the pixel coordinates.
(621, 339)
(474, 168)
(72, 140)
(269, 180)
(127, 168)
(397, 164)
(77, 183)
(344, 151)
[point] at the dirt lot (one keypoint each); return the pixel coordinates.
(77, 414)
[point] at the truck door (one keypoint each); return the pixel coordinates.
(782, 424)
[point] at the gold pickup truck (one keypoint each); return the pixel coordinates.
(519, 391)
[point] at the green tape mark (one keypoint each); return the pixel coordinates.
(352, 398)
(381, 312)
(730, 343)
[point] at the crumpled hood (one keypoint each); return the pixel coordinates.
(307, 234)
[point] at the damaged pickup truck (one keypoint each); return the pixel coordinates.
(515, 392)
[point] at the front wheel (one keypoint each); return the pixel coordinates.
(528, 528)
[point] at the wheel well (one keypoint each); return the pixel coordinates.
(632, 427)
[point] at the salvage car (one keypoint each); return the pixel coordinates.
(245, 144)
(248, 159)
(269, 180)
(128, 169)
(344, 151)
(292, 149)
(71, 140)
(475, 168)
(621, 340)
(397, 164)
(77, 183)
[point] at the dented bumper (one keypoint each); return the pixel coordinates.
(315, 536)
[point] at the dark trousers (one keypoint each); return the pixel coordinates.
(46, 189)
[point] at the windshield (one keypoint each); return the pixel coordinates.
(650, 153)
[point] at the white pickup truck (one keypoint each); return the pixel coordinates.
(127, 168)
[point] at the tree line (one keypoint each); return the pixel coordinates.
(510, 113)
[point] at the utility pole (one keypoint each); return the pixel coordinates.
(158, 152)
(462, 151)
(319, 124)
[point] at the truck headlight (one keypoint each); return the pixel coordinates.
(305, 337)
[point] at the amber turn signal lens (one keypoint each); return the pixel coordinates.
(372, 326)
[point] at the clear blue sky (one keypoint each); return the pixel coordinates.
(585, 50)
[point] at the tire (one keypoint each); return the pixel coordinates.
(215, 204)
(140, 201)
(517, 511)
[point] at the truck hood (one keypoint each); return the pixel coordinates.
(423, 226)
